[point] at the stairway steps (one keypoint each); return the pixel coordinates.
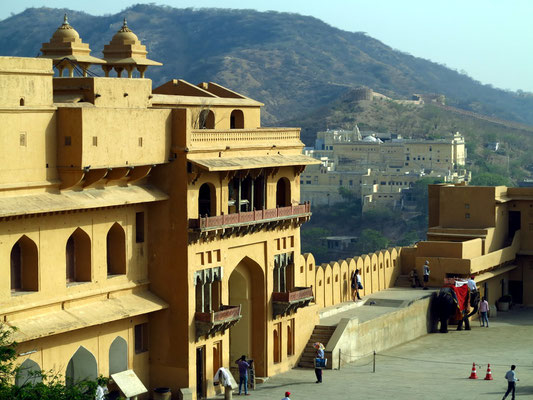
(322, 334)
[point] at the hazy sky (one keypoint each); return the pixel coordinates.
(491, 40)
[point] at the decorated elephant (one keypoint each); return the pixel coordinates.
(455, 300)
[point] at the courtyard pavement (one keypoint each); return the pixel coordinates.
(435, 366)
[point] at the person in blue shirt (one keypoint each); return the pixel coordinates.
(318, 371)
(511, 382)
(243, 374)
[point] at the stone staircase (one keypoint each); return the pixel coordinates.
(322, 334)
(403, 281)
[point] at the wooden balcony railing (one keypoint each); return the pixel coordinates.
(209, 323)
(286, 302)
(256, 216)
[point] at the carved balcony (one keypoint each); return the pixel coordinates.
(284, 303)
(248, 222)
(209, 323)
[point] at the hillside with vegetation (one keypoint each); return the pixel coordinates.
(513, 160)
(292, 63)
(384, 228)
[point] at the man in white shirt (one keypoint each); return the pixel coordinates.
(511, 382)
(471, 284)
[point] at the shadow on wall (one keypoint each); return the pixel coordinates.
(331, 282)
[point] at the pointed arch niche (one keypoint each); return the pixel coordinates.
(78, 257)
(116, 250)
(118, 356)
(24, 266)
(81, 366)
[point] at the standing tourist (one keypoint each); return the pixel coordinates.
(484, 311)
(287, 394)
(511, 382)
(243, 374)
(319, 361)
(426, 274)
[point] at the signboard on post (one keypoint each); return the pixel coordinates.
(129, 383)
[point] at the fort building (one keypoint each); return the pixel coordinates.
(158, 230)
(155, 230)
(377, 171)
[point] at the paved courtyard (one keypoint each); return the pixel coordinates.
(436, 366)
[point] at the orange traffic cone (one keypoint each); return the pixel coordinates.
(473, 375)
(488, 377)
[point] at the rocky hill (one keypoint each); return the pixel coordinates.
(290, 62)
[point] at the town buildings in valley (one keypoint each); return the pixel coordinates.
(377, 168)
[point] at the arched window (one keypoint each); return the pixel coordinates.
(116, 250)
(24, 266)
(277, 347)
(207, 200)
(81, 366)
(118, 356)
(78, 257)
(283, 193)
(237, 119)
(217, 359)
(29, 373)
(290, 344)
(206, 119)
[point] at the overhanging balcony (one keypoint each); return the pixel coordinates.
(209, 323)
(284, 303)
(248, 222)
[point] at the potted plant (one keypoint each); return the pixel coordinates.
(504, 302)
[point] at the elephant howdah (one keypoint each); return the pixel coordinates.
(455, 300)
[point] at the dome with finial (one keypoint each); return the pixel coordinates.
(125, 35)
(65, 31)
(67, 49)
(125, 51)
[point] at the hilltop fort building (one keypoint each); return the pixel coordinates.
(377, 170)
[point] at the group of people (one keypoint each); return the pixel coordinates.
(415, 280)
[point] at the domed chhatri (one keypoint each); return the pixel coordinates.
(68, 51)
(125, 52)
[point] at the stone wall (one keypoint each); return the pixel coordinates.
(331, 282)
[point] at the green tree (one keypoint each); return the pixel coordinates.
(490, 179)
(371, 241)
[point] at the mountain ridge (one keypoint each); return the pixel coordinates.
(290, 62)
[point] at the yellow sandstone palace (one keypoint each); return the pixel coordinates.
(153, 230)
(158, 230)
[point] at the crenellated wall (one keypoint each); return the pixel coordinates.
(331, 282)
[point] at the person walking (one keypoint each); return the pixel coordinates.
(356, 285)
(243, 374)
(511, 382)
(484, 311)
(287, 394)
(426, 274)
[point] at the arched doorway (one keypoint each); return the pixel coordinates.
(78, 257)
(24, 265)
(237, 119)
(246, 287)
(81, 366)
(283, 193)
(206, 200)
(118, 356)
(116, 250)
